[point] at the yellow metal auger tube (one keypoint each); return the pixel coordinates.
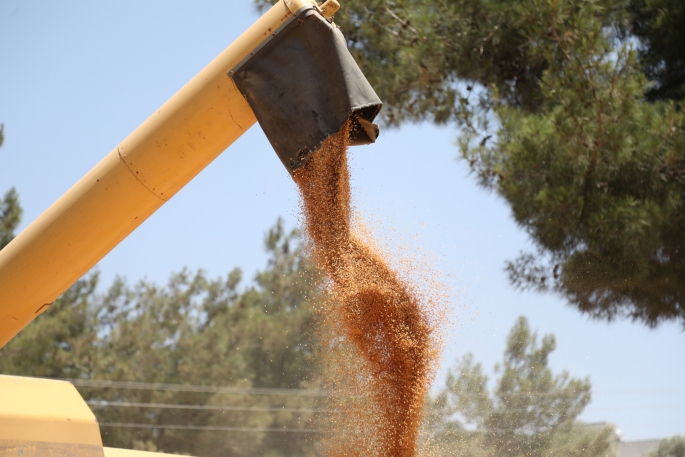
(146, 169)
(291, 71)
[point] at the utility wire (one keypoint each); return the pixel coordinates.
(104, 403)
(209, 427)
(92, 383)
(201, 407)
(191, 388)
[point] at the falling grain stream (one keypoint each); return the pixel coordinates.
(380, 317)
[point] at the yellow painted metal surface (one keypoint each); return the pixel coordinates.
(44, 411)
(329, 8)
(295, 5)
(44, 417)
(15, 448)
(145, 170)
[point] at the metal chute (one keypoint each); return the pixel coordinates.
(303, 85)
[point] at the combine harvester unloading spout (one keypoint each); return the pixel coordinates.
(291, 71)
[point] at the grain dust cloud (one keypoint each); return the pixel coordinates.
(379, 329)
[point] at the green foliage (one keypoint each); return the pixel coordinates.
(596, 176)
(660, 27)
(59, 343)
(10, 209)
(426, 58)
(193, 331)
(670, 447)
(531, 412)
(10, 216)
(549, 97)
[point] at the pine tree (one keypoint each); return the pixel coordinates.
(551, 100)
(660, 27)
(670, 447)
(192, 331)
(531, 412)
(10, 210)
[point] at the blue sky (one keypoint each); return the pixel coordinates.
(77, 78)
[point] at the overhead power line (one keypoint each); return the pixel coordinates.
(210, 428)
(124, 404)
(92, 383)
(192, 388)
